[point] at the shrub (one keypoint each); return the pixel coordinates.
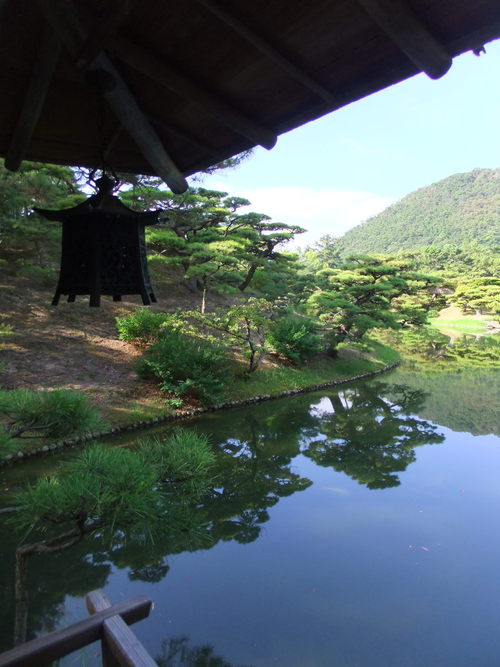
(184, 459)
(294, 337)
(141, 327)
(50, 414)
(186, 366)
(108, 485)
(7, 444)
(148, 487)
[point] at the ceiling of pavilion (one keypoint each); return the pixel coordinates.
(174, 87)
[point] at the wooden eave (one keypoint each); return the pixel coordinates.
(203, 80)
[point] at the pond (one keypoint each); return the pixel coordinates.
(355, 526)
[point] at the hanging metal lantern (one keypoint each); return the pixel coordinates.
(103, 248)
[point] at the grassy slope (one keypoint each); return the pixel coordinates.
(281, 378)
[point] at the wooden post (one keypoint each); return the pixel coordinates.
(120, 647)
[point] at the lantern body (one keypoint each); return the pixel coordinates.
(103, 254)
(103, 249)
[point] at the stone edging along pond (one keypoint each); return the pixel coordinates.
(20, 457)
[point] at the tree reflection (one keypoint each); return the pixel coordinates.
(369, 437)
(368, 432)
(251, 478)
(254, 473)
(49, 579)
(177, 653)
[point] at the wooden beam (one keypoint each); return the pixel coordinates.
(167, 76)
(268, 49)
(406, 30)
(63, 18)
(41, 76)
(113, 15)
(119, 644)
(140, 129)
(66, 640)
(202, 144)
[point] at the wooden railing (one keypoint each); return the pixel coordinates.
(107, 622)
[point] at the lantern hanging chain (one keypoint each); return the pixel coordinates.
(105, 165)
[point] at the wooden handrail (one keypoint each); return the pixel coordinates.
(61, 642)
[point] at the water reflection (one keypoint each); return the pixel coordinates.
(176, 652)
(368, 436)
(368, 432)
(463, 399)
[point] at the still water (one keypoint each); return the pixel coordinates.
(351, 527)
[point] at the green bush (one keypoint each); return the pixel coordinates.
(7, 444)
(48, 414)
(184, 459)
(186, 366)
(148, 487)
(108, 484)
(141, 327)
(295, 337)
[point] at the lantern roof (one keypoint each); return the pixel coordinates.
(188, 84)
(102, 203)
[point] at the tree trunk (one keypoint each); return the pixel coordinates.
(21, 599)
(248, 278)
(204, 300)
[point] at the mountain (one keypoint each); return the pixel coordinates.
(458, 209)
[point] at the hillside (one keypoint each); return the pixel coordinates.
(458, 209)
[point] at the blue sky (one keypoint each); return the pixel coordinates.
(333, 173)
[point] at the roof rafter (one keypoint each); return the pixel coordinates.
(104, 31)
(41, 76)
(167, 76)
(63, 18)
(406, 30)
(267, 48)
(187, 136)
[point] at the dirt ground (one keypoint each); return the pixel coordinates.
(72, 346)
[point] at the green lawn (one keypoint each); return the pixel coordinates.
(452, 319)
(475, 324)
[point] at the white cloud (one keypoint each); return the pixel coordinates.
(320, 212)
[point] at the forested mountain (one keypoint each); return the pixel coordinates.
(457, 210)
